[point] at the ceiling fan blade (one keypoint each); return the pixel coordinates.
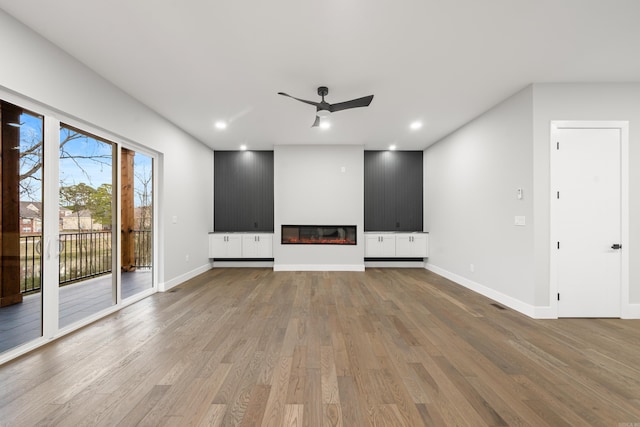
(354, 103)
(316, 123)
(315, 104)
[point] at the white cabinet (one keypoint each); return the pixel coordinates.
(225, 245)
(379, 245)
(257, 246)
(412, 245)
(396, 245)
(240, 245)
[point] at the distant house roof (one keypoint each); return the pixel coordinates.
(30, 209)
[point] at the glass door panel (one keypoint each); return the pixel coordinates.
(136, 198)
(86, 285)
(21, 226)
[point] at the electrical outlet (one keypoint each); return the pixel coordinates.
(472, 267)
(186, 258)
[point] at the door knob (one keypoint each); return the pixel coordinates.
(616, 246)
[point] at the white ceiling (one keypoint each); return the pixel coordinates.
(440, 61)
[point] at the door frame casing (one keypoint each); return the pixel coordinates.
(51, 131)
(626, 310)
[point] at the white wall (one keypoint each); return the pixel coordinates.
(39, 73)
(471, 182)
(317, 185)
(583, 102)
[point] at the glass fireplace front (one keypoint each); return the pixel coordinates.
(319, 235)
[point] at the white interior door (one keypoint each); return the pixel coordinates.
(587, 188)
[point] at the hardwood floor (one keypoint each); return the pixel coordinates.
(387, 347)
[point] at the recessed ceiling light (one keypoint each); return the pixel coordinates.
(243, 147)
(221, 125)
(415, 125)
(392, 147)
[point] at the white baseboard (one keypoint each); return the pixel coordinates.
(242, 264)
(545, 312)
(515, 304)
(318, 267)
(394, 264)
(165, 286)
(630, 311)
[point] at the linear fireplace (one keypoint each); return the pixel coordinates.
(319, 235)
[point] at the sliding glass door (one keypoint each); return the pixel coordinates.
(21, 244)
(136, 201)
(86, 280)
(76, 226)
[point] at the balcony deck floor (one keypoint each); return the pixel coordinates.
(21, 323)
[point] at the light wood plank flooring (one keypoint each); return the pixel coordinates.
(387, 347)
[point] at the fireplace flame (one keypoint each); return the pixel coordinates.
(323, 241)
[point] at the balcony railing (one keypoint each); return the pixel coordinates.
(82, 255)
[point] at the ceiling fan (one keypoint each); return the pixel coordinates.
(324, 109)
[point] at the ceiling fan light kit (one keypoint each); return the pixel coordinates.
(323, 113)
(324, 109)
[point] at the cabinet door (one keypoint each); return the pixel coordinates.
(265, 246)
(257, 246)
(234, 246)
(225, 246)
(372, 246)
(411, 245)
(380, 246)
(249, 246)
(388, 245)
(217, 246)
(404, 246)
(420, 245)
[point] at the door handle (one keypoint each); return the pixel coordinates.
(616, 246)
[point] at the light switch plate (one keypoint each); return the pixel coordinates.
(520, 221)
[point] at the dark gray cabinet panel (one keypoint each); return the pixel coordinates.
(393, 191)
(374, 191)
(243, 191)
